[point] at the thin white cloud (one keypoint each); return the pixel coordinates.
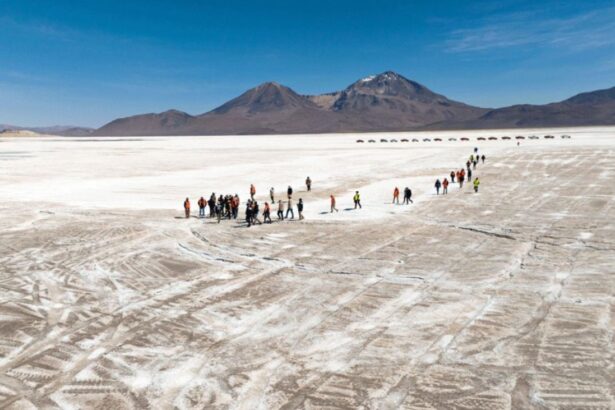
(584, 31)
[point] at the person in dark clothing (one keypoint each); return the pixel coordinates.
(289, 192)
(249, 213)
(438, 184)
(300, 209)
(452, 176)
(308, 184)
(255, 211)
(469, 174)
(483, 158)
(407, 196)
(474, 163)
(212, 205)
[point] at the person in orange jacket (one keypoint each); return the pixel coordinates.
(202, 203)
(252, 191)
(445, 186)
(187, 207)
(396, 195)
(333, 208)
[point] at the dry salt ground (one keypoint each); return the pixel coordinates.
(501, 299)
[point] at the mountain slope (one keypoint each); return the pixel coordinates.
(590, 108)
(171, 122)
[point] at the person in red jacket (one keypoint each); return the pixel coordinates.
(396, 195)
(445, 186)
(187, 207)
(202, 205)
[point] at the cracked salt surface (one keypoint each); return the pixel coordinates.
(502, 299)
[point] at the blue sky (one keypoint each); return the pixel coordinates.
(86, 62)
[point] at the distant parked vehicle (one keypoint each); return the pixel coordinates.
(519, 137)
(437, 139)
(481, 139)
(533, 137)
(464, 139)
(426, 140)
(566, 136)
(360, 141)
(393, 140)
(383, 140)
(371, 141)
(549, 137)
(505, 138)
(452, 139)
(404, 140)
(415, 140)
(492, 138)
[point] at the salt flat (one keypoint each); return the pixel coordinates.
(502, 299)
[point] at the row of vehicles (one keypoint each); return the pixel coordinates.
(518, 137)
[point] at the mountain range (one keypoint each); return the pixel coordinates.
(383, 102)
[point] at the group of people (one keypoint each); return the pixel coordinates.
(471, 164)
(407, 196)
(227, 206)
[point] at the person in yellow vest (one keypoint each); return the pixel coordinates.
(476, 184)
(357, 200)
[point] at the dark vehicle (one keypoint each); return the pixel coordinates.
(371, 141)
(383, 140)
(493, 138)
(393, 140)
(533, 137)
(464, 139)
(452, 139)
(566, 136)
(437, 139)
(415, 140)
(505, 138)
(481, 139)
(519, 137)
(549, 137)
(360, 141)
(426, 140)
(404, 140)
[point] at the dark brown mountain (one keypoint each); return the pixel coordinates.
(171, 122)
(591, 108)
(385, 102)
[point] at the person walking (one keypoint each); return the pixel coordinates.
(438, 184)
(271, 192)
(474, 162)
(308, 184)
(333, 208)
(483, 158)
(300, 209)
(476, 184)
(462, 177)
(252, 191)
(255, 211)
(469, 175)
(453, 177)
(445, 186)
(187, 207)
(280, 210)
(357, 200)
(289, 209)
(289, 192)
(266, 213)
(202, 204)
(235, 206)
(407, 196)
(396, 195)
